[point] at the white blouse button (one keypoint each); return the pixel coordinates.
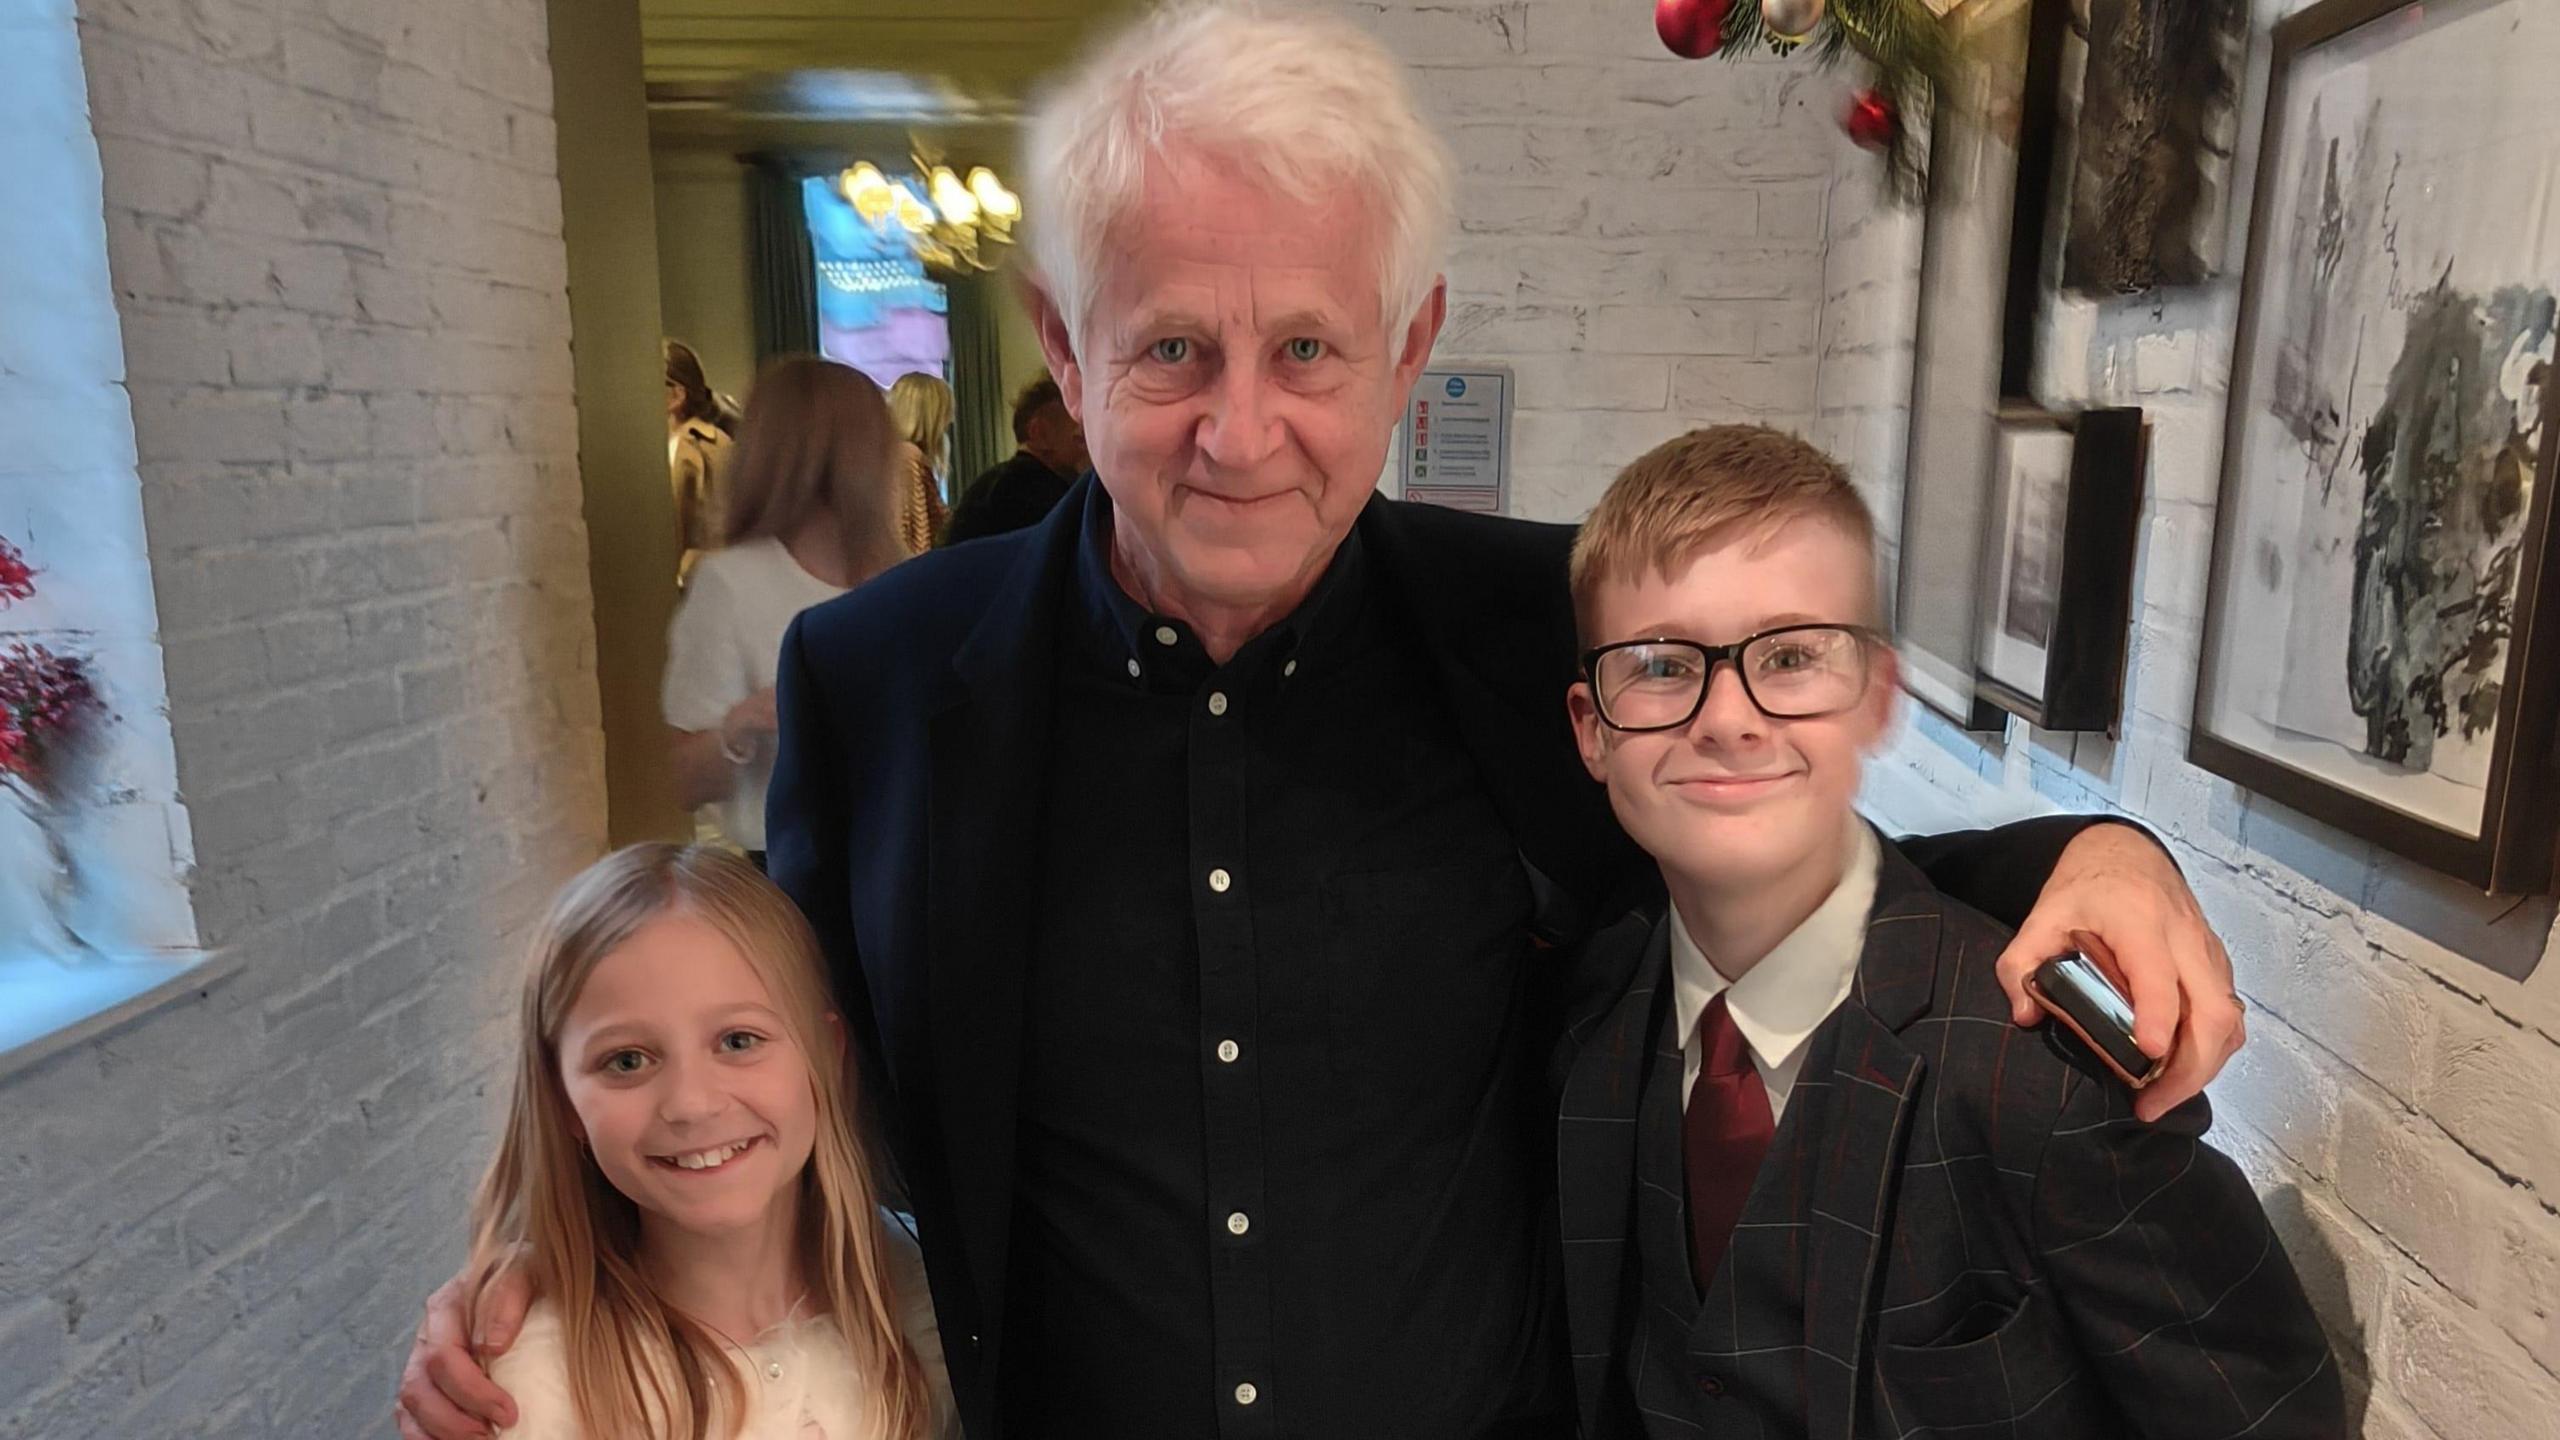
(1133, 669)
(1217, 702)
(1289, 669)
(1219, 880)
(1238, 1223)
(1165, 635)
(1228, 1050)
(1246, 1394)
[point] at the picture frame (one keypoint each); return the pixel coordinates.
(2378, 650)
(2066, 522)
(1991, 165)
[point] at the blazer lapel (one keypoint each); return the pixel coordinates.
(1848, 1149)
(1596, 1163)
(990, 743)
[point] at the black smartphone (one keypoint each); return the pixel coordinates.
(2073, 990)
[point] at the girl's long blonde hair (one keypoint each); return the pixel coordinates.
(637, 1365)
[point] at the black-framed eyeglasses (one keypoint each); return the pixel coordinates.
(1794, 672)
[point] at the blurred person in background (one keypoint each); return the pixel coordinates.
(920, 404)
(813, 505)
(1019, 492)
(700, 424)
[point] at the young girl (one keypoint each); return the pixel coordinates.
(680, 1171)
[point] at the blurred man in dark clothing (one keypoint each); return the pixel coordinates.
(1019, 491)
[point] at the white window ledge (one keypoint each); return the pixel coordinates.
(48, 1006)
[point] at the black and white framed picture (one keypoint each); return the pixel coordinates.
(2058, 598)
(2378, 653)
(1990, 165)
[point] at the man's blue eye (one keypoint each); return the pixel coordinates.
(1172, 350)
(1306, 351)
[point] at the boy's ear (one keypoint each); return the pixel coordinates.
(1585, 714)
(1884, 698)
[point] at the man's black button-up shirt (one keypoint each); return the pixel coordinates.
(1283, 1165)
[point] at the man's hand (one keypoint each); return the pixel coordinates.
(2115, 883)
(445, 1391)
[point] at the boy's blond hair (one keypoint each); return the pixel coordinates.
(1685, 494)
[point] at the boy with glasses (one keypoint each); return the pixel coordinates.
(1813, 1181)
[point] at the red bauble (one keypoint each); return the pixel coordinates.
(1690, 28)
(1872, 121)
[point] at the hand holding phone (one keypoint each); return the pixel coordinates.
(2072, 989)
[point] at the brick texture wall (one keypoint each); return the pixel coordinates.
(2394, 1104)
(334, 234)
(1639, 237)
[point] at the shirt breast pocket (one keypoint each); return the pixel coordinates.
(1423, 965)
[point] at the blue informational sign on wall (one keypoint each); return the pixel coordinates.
(1455, 448)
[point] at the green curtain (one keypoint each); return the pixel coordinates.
(784, 269)
(982, 418)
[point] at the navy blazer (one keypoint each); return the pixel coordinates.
(915, 730)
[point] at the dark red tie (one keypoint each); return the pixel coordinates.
(1723, 1138)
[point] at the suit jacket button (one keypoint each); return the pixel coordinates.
(1710, 1386)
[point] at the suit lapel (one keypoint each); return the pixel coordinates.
(1841, 1146)
(990, 742)
(1596, 1141)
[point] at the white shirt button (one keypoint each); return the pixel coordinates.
(1228, 1050)
(1217, 702)
(1238, 1223)
(1165, 635)
(1289, 669)
(1246, 1394)
(1219, 880)
(1133, 669)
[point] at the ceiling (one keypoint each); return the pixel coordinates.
(835, 72)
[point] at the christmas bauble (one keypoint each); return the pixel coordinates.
(1872, 120)
(1791, 21)
(1691, 28)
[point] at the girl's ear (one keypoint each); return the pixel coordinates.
(835, 1035)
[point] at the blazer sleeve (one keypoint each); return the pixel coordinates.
(2000, 872)
(808, 836)
(2171, 1280)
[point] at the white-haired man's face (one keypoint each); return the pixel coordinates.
(1237, 385)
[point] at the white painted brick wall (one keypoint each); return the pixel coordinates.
(1640, 236)
(335, 241)
(2395, 1102)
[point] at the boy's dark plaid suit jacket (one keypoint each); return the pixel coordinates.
(1960, 1228)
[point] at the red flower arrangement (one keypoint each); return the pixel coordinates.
(43, 696)
(17, 577)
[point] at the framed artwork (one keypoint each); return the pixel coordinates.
(2066, 519)
(2159, 89)
(2379, 650)
(1990, 166)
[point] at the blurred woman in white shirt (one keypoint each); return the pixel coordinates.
(812, 512)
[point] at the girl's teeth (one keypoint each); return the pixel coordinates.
(706, 1159)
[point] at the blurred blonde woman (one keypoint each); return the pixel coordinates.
(812, 513)
(680, 1181)
(922, 406)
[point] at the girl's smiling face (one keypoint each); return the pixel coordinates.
(686, 1084)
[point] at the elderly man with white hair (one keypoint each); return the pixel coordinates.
(1201, 866)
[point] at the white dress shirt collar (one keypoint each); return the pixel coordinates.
(1780, 1002)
